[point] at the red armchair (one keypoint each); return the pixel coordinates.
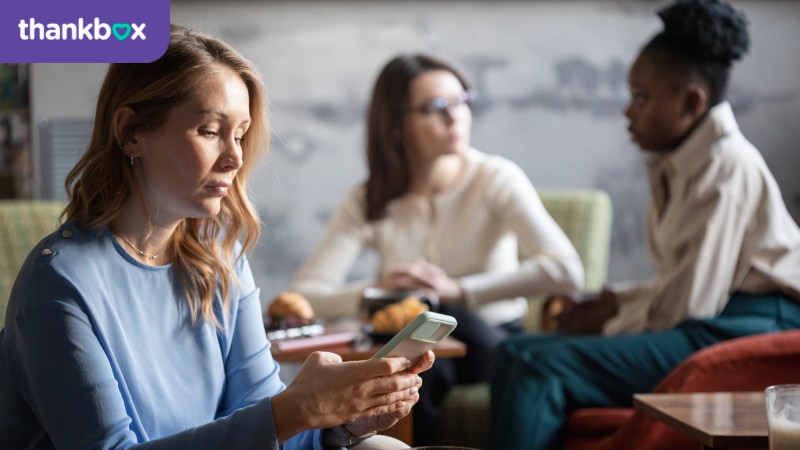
(745, 364)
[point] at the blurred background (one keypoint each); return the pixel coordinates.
(551, 79)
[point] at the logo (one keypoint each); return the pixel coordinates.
(32, 30)
(92, 31)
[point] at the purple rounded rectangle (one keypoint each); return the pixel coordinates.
(83, 31)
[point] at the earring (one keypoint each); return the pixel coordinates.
(131, 156)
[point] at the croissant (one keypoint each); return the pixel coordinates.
(393, 317)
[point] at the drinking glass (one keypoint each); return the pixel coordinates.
(783, 416)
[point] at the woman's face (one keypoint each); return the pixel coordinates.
(189, 162)
(439, 118)
(658, 115)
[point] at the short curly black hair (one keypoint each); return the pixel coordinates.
(704, 35)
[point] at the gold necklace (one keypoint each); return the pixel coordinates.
(149, 258)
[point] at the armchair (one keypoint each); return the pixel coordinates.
(23, 223)
(585, 216)
(748, 363)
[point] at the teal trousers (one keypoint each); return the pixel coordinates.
(538, 380)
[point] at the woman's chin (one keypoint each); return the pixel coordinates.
(207, 209)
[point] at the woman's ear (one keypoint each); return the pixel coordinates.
(123, 117)
(695, 101)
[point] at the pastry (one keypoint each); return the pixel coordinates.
(394, 317)
(290, 309)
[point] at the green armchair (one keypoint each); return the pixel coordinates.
(585, 216)
(23, 223)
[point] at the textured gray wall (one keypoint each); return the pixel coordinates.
(551, 80)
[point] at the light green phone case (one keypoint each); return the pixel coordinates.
(419, 336)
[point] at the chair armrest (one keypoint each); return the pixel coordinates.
(749, 363)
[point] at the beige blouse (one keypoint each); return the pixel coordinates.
(717, 224)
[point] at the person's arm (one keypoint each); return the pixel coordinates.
(372, 394)
(695, 281)
(321, 279)
(368, 395)
(551, 264)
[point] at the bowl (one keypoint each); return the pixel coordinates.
(375, 299)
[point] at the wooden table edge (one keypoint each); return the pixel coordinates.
(448, 348)
(705, 439)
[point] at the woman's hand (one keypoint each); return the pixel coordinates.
(420, 274)
(369, 395)
(380, 422)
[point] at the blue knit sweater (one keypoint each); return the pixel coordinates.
(99, 352)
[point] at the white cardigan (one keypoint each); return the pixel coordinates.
(470, 230)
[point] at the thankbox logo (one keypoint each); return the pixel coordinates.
(83, 31)
(97, 30)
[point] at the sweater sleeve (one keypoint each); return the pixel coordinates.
(550, 264)
(322, 278)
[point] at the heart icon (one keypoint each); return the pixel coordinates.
(121, 30)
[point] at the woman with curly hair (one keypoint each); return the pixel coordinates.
(725, 249)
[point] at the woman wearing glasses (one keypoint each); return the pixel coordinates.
(442, 217)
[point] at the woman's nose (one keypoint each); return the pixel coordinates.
(232, 157)
(448, 115)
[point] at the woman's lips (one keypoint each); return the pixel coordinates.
(219, 189)
(632, 134)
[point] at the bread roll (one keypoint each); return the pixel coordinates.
(290, 304)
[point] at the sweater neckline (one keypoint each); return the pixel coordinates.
(460, 184)
(128, 257)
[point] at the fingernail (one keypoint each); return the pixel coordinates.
(413, 390)
(419, 379)
(408, 363)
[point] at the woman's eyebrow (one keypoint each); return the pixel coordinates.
(217, 112)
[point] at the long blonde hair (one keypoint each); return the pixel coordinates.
(102, 181)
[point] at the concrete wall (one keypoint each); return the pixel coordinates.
(551, 80)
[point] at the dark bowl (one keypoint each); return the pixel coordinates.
(376, 337)
(374, 299)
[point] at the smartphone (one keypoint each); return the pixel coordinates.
(419, 336)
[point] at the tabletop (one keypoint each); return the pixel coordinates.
(356, 349)
(715, 420)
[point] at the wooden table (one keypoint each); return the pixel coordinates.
(714, 420)
(448, 348)
(403, 430)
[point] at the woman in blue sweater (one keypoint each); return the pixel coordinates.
(138, 323)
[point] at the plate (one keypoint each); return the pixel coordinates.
(292, 328)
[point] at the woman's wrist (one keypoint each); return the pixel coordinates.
(455, 294)
(340, 436)
(287, 419)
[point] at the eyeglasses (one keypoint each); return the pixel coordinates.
(443, 106)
